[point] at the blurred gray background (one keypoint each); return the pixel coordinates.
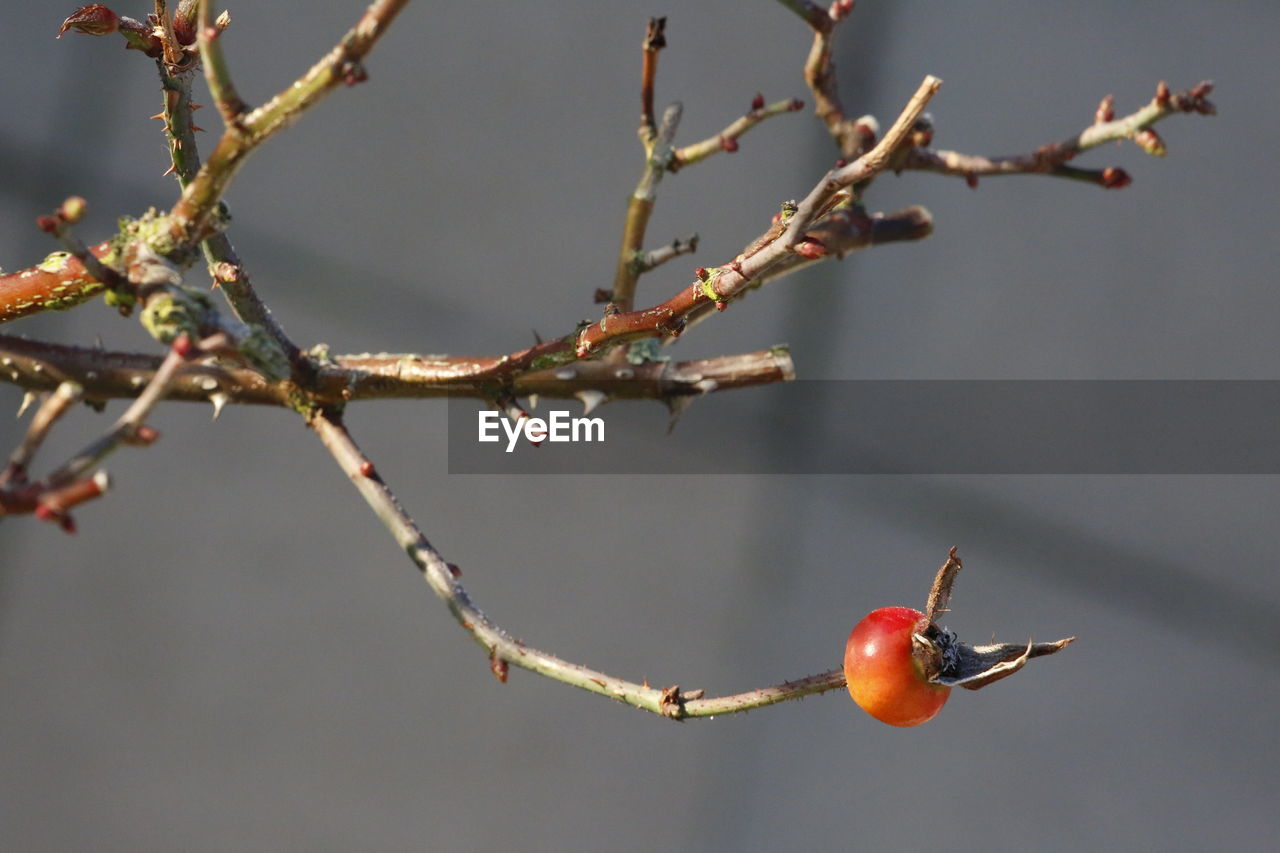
(232, 654)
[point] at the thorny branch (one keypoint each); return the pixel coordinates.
(107, 375)
(503, 649)
(828, 222)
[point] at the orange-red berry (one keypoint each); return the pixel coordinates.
(883, 676)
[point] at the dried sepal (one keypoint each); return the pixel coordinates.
(946, 661)
(943, 581)
(975, 667)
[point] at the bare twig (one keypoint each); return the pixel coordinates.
(658, 153)
(874, 161)
(727, 139)
(349, 378)
(1051, 159)
(662, 254)
(216, 71)
(192, 216)
(71, 484)
(54, 407)
(852, 136)
(655, 39)
(502, 649)
(724, 284)
(129, 428)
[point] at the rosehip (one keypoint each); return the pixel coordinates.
(884, 678)
(900, 666)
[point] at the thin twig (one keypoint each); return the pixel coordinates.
(54, 407)
(655, 39)
(727, 139)
(128, 428)
(216, 71)
(503, 649)
(679, 246)
(1051, 159)
(874, 161)
(658, 153)
(851, 135)
(192, 215)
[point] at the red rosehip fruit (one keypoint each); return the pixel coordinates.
(900, 665)
(883, 675)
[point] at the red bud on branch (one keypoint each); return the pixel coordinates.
(1106, 110)
(1114, 178)
(811, 249)
(95, 20)
(1149, 141)
(498, 666)
(184, 21)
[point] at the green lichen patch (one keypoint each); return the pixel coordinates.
(177, 311)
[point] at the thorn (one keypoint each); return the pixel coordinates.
(27, 399)
(537, 337)
(159, 115)
(591, 399)
(169, 171)
(219, 400)
(676, 406)
(195, 128)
